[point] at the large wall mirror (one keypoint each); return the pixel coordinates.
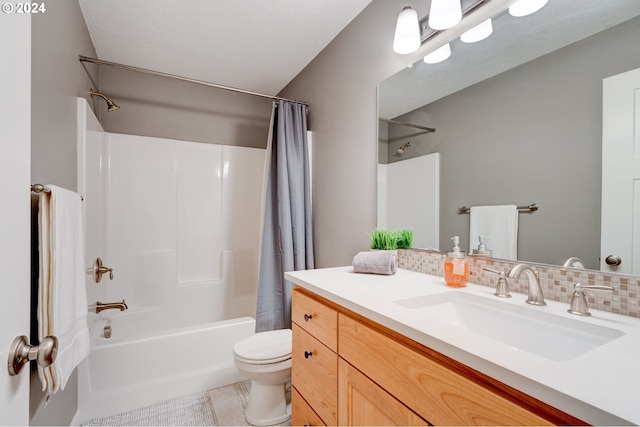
(518, 120)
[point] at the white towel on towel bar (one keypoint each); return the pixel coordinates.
(62, 295)
(499, 224)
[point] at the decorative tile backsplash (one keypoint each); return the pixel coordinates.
(557, 282)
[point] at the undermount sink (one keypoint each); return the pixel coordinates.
(525, 328)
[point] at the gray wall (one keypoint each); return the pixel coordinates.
(530, 135)
(57, 78)
(58, 37)
(340, 84)
(166, 108)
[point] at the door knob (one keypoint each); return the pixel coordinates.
(613, 260)
(21, 352)
(99, 270)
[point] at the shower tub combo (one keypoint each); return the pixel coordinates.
(179, 224)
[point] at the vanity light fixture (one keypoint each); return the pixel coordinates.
(438, 55)
(407, 35)
(526, 7)
(477, 33)
(444, 14)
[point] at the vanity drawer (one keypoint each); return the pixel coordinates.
(437, 393)
(314, 373)
(301, 413)
(316, 318)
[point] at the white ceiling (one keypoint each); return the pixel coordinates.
(257, 45)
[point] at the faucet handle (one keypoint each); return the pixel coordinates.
(99, 269)
(579, 305)
(502, 287)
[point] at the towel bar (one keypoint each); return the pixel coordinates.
(39, 188)
(530, 208)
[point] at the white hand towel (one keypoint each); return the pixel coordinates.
(62, 295)
(499, 224)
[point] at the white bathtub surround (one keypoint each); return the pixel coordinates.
(62, 310)
(179, 223)
(181, 232)
(602, 396)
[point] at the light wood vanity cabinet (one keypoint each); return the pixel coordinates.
(382, 378)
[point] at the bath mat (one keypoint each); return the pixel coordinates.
(191, 410)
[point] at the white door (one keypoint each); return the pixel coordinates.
(15, 149)
(620, 231)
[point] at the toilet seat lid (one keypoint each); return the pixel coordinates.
(265, 347)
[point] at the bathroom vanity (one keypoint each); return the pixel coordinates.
(384, 350)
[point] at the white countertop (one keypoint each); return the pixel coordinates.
(599, 386)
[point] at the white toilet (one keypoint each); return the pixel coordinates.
(265, 358)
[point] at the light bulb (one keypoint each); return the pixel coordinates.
(438, 55)
(407, 36)
(477, 33)
(526, 7)
(444, 14)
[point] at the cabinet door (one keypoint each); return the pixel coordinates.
(314, 373)
(301, 413)
(361, 402)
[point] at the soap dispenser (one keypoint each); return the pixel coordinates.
(456, 269)
(482, 248)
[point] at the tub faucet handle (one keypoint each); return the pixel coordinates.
(99, 269)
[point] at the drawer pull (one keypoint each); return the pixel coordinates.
(307, 317)
(307, 354)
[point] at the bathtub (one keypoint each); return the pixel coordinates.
(121, 374)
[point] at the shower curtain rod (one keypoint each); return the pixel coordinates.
(184, 79)
(411, 125)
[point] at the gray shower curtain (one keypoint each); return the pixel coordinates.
(287, 242)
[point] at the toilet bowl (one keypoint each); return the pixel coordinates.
(265, 358)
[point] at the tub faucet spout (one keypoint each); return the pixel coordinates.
(535, 296)
(100, 306)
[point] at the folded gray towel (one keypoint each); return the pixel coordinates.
(376, 262)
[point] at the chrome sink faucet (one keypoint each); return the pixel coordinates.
(535, 296)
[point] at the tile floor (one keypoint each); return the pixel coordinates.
(224, 406)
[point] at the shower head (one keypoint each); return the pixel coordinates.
(111, 106)
(403, 147)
